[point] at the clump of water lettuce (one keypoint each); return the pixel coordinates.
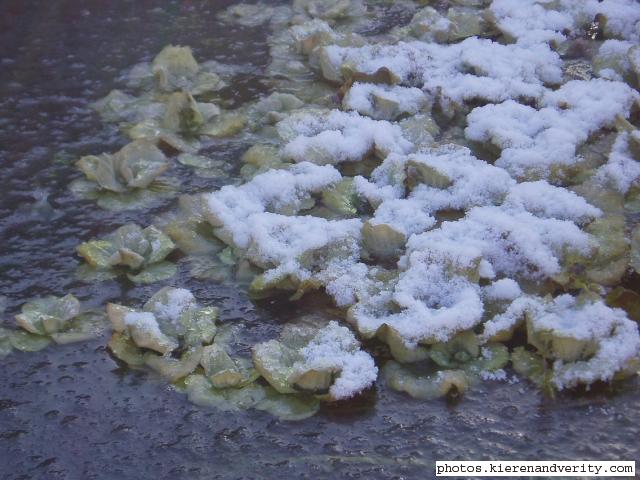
(137, 252)
(60, 319)
(179, 339)
(125, 179)
(409, 187)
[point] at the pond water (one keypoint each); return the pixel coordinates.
(72, 412)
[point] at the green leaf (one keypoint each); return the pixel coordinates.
(5, 342)
(123, 348)
(49, 314)
(173, 66)
(28, 342)
(289, 407)
(156, 272)
(172, 368)
(341, 198)
(88, 274)
(533, 367)
(97, 253)
(424, 387)
(199, 325)
(161, 245)
(458, 351)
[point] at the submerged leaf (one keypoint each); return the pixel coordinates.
(439, 384)
(173, 368)
(531, 366)
(28, 342)
(201, 392)
(288, 407)
(6, 346)
(86, 326)
(635, 249)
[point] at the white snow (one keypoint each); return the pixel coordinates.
(513, 242)
(335, 348)
(384, 102)
(473, 68)
(473, 182)
(503, 289)
(340, 137)
(513, 315)
(178, 301)
(621, 169)
(547, 201)
(281, 241)
(616, 336)
(530, 22)
(612, 60)
(515, 219)
(144, 321)
(622, 16)
(145, 332)
(458, 181)
(404, 215)
(534, 141)
(434, 306)
(231, 207)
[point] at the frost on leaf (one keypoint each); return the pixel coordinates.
(337, 137)
(170, 319)
(326, 362)
(472, 69)
(542, 143)
(585, 340)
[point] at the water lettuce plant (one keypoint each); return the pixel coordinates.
(178, 338)
(136, 165)
(125, 179)
(464, 192)
(61, 319)
(139, 253)
(325, 362)
(170, 319)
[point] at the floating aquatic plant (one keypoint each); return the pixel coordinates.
(326, 362)
(138, 252)
(126, 179)
(60, 319)
(387, 206)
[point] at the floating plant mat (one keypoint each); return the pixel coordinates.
(448, 206)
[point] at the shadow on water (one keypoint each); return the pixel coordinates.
(72, 412)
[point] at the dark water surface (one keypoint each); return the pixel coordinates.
(70, 412)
